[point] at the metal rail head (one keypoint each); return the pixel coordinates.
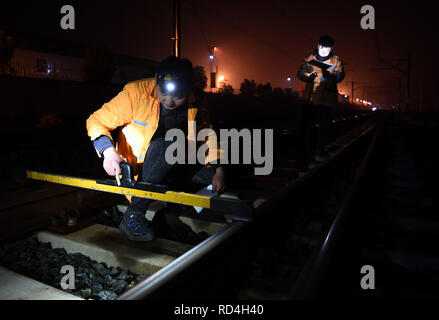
(164, 275)
(155, 281)
(312, 279)
(267, 204)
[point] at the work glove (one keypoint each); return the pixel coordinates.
(329, 74)
(312, 76)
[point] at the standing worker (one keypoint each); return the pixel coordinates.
(321, 70)
(147, 109)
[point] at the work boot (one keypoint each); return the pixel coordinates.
(135, 226)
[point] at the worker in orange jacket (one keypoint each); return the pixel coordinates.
(147, 109)
(319, 96)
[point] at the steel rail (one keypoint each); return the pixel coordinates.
(309, 282)
(152, 283)
(156, 280)
(265, 205)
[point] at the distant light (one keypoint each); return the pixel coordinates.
(214, 48)
(170, 86)
(211, 57)
(374, 108)
(358, 99)
(345, 95)
(221, 78)
(288, 79)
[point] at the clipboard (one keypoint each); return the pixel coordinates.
(321, 65)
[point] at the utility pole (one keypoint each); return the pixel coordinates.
(388, 64)
(400, 95)
(176, 37)
(408, 79)
(352, 93)
(213, 62)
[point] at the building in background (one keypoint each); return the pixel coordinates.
(50, 59)
(39, 64)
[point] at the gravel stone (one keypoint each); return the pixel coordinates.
(86, 293)
(96, 287)
(107, 295)
(39, 261)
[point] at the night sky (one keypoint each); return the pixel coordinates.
(260, 40)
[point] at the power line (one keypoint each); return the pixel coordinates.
(265, 43)
(203, 33)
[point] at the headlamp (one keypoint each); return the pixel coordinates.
(171, 84)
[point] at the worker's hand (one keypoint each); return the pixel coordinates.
(312, 76)
(218, 180)
(111, 161)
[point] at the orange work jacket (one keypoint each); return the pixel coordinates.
(137, 109)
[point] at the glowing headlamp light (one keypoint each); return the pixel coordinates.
(169, 83)
(170, 86)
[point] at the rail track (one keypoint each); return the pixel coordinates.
(218, 257)
(387, 222)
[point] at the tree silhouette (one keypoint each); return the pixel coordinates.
(226, 88)
(200, 78)
(264, 90)
(278, 92)
(290, 93)
(248, 88)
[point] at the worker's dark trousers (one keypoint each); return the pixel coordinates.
(156, 170)
(316, 121)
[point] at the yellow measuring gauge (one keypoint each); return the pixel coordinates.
(188, 199)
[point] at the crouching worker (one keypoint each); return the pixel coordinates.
(147, 109)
